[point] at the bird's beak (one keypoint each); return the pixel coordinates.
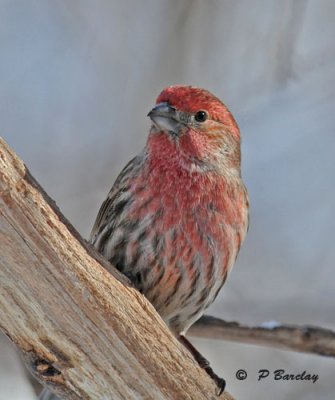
(165, 118)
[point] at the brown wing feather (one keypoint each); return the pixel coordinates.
(107, 213)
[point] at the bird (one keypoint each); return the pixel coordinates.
(177, 214)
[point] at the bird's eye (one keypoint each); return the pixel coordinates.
(201, 116)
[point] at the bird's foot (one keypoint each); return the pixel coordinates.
(204, 364)
(220, 382)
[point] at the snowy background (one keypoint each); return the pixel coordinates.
(77, 79)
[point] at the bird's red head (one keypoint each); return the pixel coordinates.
(195, 123)
(192, 99)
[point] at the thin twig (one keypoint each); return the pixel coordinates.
(306, 339)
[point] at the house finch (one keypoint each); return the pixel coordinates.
(177, 214)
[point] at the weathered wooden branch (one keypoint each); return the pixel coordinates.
(83, 330)
(306, 339)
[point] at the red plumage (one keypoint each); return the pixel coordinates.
(177, 214)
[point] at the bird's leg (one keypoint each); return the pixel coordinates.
(203, 363)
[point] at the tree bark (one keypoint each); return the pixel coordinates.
(84, 331)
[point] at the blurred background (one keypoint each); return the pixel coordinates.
(77, 79)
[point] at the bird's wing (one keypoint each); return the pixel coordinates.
(110, 208)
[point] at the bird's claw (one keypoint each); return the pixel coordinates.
(221, 384)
